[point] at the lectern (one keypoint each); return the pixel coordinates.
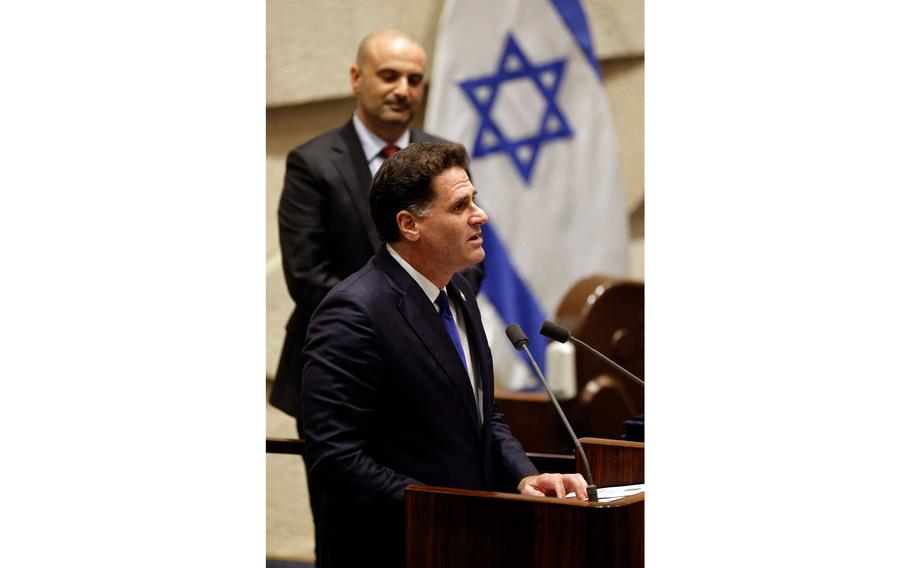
(456, 528)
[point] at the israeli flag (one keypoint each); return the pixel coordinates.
(517, 82)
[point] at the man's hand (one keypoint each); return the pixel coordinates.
(557, 484)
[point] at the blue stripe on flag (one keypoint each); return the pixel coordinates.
(511, 296)
(573, 15)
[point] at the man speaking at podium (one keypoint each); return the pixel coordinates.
(398, 385)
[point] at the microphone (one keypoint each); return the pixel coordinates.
(520, 341)
(562, 334)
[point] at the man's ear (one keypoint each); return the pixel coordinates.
(407, 225)
(355, 79)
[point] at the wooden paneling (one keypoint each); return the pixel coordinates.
(614, 462)
(457, 528)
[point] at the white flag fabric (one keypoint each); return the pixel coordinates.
(517, 82)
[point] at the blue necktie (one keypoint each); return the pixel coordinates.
(442, 300)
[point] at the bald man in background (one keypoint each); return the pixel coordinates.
(324, 223)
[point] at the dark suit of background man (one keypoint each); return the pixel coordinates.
(323, 218)
(391, 395)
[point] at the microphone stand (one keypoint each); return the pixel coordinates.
(560, 333)
(607, 360)
(520, 341)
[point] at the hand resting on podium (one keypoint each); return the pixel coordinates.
(554, 484)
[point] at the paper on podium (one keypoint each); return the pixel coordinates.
(606, 494)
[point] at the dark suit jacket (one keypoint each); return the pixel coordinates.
(326, 233)
(387, 403)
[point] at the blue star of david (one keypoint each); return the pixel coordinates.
(482, 91)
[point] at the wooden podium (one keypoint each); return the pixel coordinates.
(456, 528)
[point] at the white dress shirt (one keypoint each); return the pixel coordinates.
(373, 144)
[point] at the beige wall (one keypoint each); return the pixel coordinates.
(311, 45)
